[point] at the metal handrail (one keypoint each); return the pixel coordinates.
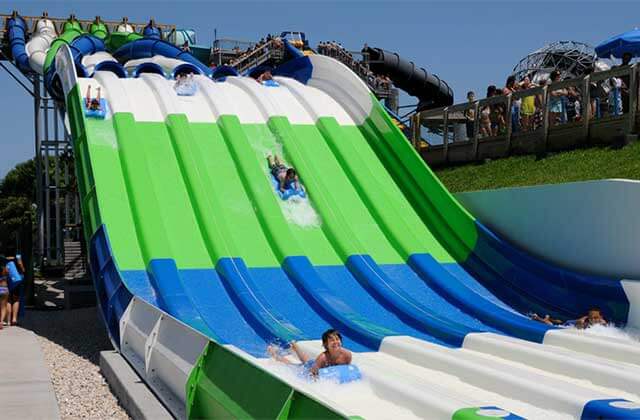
(258, 55)
(113, 24)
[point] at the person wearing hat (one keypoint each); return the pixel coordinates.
(4, 289)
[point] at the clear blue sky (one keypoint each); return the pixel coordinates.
(470, 44)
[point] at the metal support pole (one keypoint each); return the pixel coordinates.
(56, 175)
(47, 196)
(38, 164)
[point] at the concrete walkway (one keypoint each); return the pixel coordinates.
(26, 391)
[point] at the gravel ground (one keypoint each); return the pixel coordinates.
(71, 342)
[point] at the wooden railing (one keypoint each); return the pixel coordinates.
(592, 110)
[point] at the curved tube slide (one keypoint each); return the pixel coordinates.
(17, 33)
(432, 91)
(39, 44)
(147, 48)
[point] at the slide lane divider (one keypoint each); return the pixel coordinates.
(490, 258)
(150, 230)
(298, 267)
(210, 218)
(515, 381)
(554, 336)
(363, 267)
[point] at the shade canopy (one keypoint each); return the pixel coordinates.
(628, 42)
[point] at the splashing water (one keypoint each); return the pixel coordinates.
(299, 211)
(610, 330)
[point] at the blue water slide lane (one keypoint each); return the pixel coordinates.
(505, 273)
(300, 69)
(113, 295)
(447, 285)
(395, 299)
(112, 66)
(221, 72)
(530, 284)
(148, 67)
(264, 318)
(185, 68)
(147, 48)
(335, 310)
(164, 275)
(17, 32)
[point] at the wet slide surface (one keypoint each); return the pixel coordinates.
(380, 250)
(213, 244)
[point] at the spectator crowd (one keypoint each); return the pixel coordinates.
(609, 97)
(380, 83)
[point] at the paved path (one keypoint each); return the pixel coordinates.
(26, 391)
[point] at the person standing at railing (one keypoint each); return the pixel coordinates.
(594, 96)
(615, 96)
(470, 114)
(624, 89)
(528, 106)
(556, 109)
(510, 88)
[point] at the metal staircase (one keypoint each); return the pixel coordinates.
(270, 51)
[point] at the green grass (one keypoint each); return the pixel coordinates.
(576, 165)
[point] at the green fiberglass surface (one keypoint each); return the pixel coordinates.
(198, 192)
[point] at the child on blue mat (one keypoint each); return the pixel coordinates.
(92, 104)
(287, 177)
(333, 355)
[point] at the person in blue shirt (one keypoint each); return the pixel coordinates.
(15, 271)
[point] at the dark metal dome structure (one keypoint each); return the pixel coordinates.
(571, 58)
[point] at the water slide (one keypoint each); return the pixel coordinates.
(431, 91)
(199, 265)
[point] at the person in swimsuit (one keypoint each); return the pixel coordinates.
(334, 354)
(528, 107)
(287, 177)
(593, 317)
(4, 290)
(264, 77)
(15, 270)
(556, 109)
(92, 104)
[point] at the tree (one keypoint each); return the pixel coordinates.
(17, 215)
(17, 198)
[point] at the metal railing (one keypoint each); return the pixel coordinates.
(271, 50)
(59, 23)
(599, 108)
(382, 89)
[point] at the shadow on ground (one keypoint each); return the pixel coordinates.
(80, 331)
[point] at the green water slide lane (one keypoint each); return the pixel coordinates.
(345, 219)
(224, 212)
(378, 191)
(452, 225)
(309, 235)
(101, 183)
